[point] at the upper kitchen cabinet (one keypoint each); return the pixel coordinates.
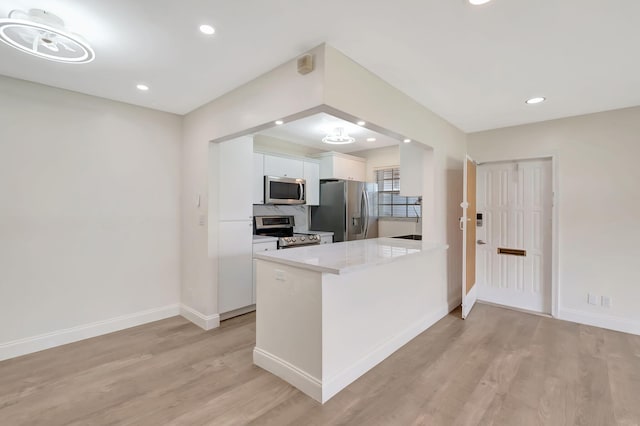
(335, 165)
(312, 176)
(258, 178)
(235, 179)
(283, 167)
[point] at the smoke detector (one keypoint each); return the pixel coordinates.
(338, 137)
(43, 34)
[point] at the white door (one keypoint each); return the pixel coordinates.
(468, 226)
(514, 251)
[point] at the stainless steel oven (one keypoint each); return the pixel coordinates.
(284, 190)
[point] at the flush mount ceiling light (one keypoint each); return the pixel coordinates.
(338, 137)
(43, 34)
(279, 122)
(142, 87)
(361, 123)
(478, 2)
(407, 141)
(536, 100)
(371, 139)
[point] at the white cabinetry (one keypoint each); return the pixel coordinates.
(258, 178)
(326, 239)
(235, 180)
(235, 281)
(281, 166)
(312, 176)
(235, 226)
(259, 247)
(335, 165)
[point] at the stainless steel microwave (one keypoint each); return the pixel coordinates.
(284, 190)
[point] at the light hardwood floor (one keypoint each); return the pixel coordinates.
(498, 367)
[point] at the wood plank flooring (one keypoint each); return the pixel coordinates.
(499, 367)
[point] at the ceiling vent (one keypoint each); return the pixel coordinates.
(43, 34)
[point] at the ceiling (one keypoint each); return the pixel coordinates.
(473, 65)
(309, 132)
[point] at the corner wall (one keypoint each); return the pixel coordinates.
(597, 197)
(277, 94)
(352, 88)
(89, 217)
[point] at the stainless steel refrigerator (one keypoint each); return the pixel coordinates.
(348, 209)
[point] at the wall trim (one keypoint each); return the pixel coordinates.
(289, 373)
(205, 322)
(61, 337)
(323, 390)
(600, 320)
(335, 384)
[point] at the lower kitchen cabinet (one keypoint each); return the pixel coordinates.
(259, 247)
(235, 253)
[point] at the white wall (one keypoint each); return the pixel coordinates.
(597, 197)
(277, 94)
(89, 212)
(379, 158)
(351, 88)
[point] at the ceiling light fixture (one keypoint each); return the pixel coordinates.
(279, 122)
(142, 87)
(207, 29)
(478, 2)
(338, 137)
(43, 34)
(361, 123)
(371, 139)
(406, 140)
(536, 100)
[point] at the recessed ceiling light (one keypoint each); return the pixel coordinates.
(361, 123)
(279, 122)
(43, 34)
(406, 140)
(536, 100)
(207, 29)
(142, 87)
(371, 139)
(478, 2)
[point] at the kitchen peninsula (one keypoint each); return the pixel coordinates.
(329, 313)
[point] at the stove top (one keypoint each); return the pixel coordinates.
(282, 227)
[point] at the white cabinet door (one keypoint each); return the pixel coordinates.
(326, 239)
(258, 178)
(235, 179)
(312, 176)
(258, 247)
(235, 252)
(280, 166)
(347, 169)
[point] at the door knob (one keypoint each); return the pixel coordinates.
(480, 242)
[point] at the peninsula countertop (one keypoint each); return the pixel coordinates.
(344, 257)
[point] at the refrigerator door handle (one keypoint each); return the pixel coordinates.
(366, 212)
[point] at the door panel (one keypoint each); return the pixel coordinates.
(468, 226)
(516, 202)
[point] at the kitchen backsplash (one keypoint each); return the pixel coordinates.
(300, 214)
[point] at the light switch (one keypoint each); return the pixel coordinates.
(202, 220)
(280, 275)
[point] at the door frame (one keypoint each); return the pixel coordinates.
(555, 287)
(471, 294)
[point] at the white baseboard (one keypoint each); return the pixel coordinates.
(205, 322)
(323, 390)
(340, 381)
(600, 320)
(454, 303)
(289, 373)
(69, 335)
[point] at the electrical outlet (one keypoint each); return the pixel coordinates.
(592, 299)
(606, 302)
